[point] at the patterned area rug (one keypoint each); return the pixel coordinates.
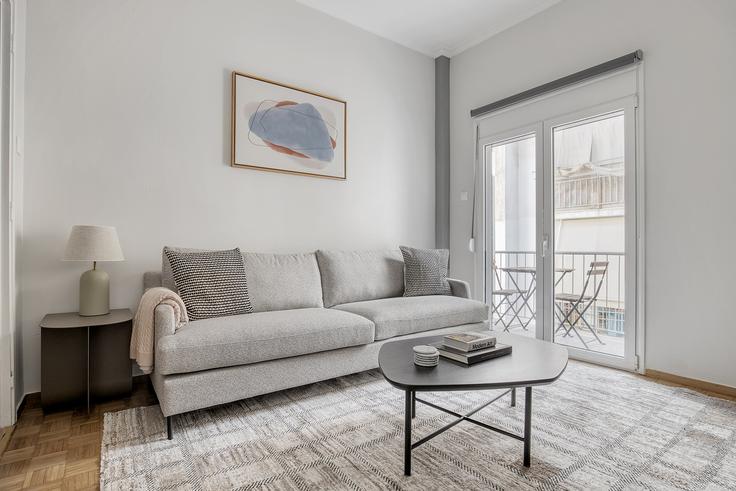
(594, 428)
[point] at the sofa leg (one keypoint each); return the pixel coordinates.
(169, 433)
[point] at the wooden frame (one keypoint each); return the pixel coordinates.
(339, 143)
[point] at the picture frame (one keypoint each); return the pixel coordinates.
(281, 128)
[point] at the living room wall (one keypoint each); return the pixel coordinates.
(128, 124)
(688, 89)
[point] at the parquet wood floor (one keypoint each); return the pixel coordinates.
(61, 450)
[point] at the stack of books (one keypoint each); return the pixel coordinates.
(471, 347)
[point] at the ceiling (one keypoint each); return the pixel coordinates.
(432, 27)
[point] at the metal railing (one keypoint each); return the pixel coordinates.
(589, 192)
(608, 312)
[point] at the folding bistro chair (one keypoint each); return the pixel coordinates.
(578, 305)
(506, 295)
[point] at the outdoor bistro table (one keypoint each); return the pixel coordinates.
(526, 294)
(532, 362)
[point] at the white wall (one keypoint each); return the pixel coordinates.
(127, 124)
(689, 51)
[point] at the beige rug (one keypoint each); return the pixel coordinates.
(594, 428)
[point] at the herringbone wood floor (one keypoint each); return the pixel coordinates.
(62, 450)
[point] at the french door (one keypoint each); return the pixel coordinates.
(559, 215)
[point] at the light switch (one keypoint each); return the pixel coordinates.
(463, 196)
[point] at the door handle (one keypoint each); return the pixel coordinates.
(545, 245)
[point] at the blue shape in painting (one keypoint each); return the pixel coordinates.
(294, 129)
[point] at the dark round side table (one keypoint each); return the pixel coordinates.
(84, 358)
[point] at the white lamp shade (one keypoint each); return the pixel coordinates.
(93, 243)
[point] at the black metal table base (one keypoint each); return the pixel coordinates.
(410, 413)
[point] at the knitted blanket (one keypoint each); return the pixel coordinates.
(142, 341)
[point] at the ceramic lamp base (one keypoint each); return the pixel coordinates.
(94, 293)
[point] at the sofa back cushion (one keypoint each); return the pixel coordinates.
(283, 281)
(355, 276)
(275, 281)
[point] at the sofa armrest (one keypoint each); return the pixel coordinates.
(459, 288)
(164, 322)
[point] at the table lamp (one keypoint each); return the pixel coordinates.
(93, 243)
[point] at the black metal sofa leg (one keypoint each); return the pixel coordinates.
(169, 432)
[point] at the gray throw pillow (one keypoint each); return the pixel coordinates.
(211, 283)
(425, 271)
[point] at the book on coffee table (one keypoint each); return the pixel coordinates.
(469, 341)
(469, 358)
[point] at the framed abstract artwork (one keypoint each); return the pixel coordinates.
(279, 128)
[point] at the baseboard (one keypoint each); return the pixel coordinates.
(34, 397)
(724, 390)
(5, 434)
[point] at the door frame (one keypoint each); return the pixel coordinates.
(12, 52)
(609, 85)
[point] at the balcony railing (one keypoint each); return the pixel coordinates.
(605, 191)
(607, 313)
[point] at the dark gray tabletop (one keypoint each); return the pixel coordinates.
(531, 362)
(71, 320)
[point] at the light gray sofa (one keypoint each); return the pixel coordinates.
(316, 316)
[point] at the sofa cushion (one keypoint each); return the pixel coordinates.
(211, 284)
(250, 338)
(406, 315)
(283, 281)
(354, 276)
(167, 277)
(425, 271)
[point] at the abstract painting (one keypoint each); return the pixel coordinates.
(280, 128)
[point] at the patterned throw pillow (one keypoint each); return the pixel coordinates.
(425, 271)
(212, 283)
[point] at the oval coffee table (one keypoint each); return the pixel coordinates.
(531, 362)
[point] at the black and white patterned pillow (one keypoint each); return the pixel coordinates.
(425, 271)
(212, 283)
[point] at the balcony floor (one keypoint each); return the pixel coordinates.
(613, 345)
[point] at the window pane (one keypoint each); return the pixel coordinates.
(588, 158)
(511, 266)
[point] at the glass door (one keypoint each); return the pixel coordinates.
(559, 219)
(510, 166)
(590, 230)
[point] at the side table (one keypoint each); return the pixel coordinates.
(84, 358)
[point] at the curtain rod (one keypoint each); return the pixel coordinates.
(614, 64)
